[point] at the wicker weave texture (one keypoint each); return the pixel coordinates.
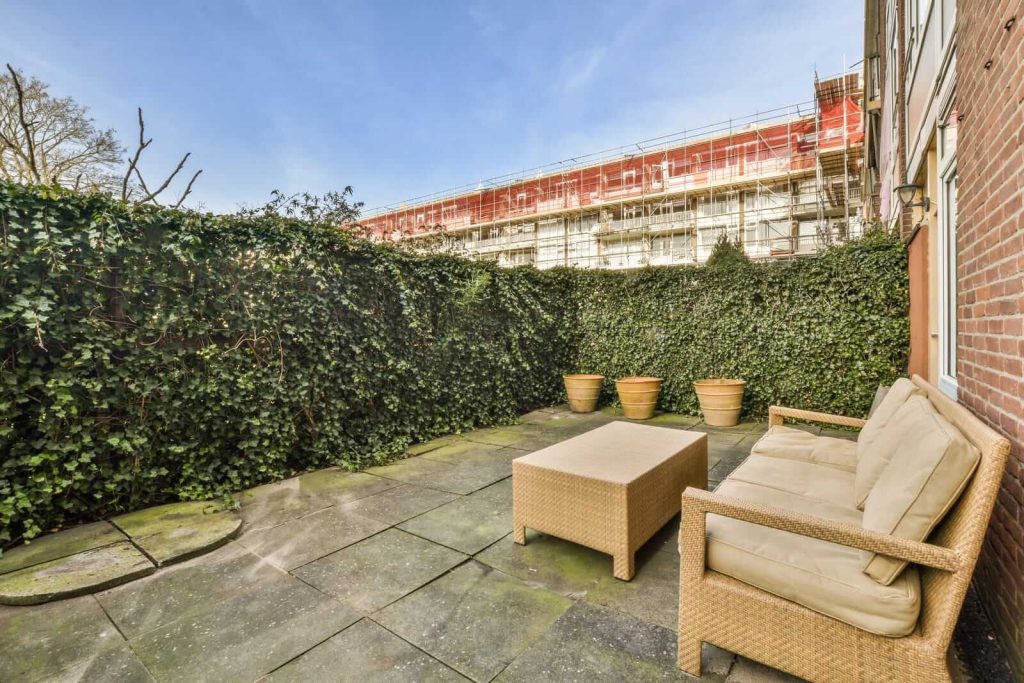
(614, 518)
(777, 414)
(717, 609)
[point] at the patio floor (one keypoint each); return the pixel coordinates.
(405, 572)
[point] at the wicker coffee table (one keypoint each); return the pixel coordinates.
(609, 489)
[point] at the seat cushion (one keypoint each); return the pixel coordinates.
(821, 576)
(930, 463)
(816, 482)
(796, 444)
(870, 462)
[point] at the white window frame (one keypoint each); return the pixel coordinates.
(947, 282)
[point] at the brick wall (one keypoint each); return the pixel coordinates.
(990, 273)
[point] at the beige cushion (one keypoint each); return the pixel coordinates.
(796, 444)
(871, 460)
(815, 482)
(821, 576)
(931, 466)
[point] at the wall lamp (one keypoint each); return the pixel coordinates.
(907, 193)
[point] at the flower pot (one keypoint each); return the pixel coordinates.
(638, 396)
(583, 392)
(720, 400)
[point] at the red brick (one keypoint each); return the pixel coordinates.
(990, 249)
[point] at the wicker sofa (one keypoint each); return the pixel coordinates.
(781, 565)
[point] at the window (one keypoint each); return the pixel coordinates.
(947, 299)
(947, 285)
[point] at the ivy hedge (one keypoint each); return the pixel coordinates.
(820, 332)
(149, 355)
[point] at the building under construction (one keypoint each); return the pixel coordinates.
(781, 183)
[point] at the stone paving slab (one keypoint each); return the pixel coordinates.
(85, 572)
(462, 451)
(458, 477)
(146, 604)
(274, 504)
(72, 640)
(559, 429)
(473, 475)
(498, 436)
(270, 506)
(339, 486)
(245, 636)
(593, 644)
(365, 652)
(308, 538)
(426, 446)
(744, 427)
(581, 573)
(652, 595)
(400, 503)
(660, 419)
(474, 619)
(412, 470)
(467, 524)
(178, 531)
(55, 546)
(375, 572)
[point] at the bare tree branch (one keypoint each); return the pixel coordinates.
(142, 181)
(47, 139)
(166, 182)
(188, 190)
(34, 168)
(133, 163)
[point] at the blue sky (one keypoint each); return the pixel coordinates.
(400, 99)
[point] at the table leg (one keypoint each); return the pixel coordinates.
(623, 567)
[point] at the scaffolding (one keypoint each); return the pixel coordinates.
(782, 183)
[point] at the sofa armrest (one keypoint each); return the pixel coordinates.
(697, 504)
(777, 413)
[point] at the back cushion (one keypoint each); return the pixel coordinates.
(920, 484)
(872, 457)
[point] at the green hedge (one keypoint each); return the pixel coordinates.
(818, 332)
(148, 355)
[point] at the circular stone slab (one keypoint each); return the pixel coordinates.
(178, 531)
(84, 572)
(55, 546)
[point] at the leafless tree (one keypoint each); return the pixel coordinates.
(44, 139)
(128, 187)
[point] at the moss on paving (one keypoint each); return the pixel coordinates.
(84, 572)
(54, 546)
(177, 531)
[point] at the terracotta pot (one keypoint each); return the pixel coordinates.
(720, 400)
(639, 396)
(583, 392)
